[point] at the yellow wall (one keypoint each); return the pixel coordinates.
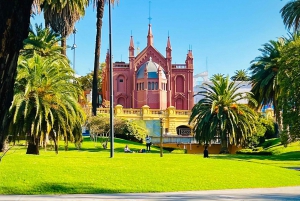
(172, 117)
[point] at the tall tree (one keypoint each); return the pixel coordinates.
(264, 71)
(14, 24)
(100, 10)
(291, 15)
(46, 101)
(14, 28)
(289, 81)
(240, 75)
(220, 116)
(62, 15)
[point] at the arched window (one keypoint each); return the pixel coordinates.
(137, 86)
(149, 85)
(156, 85)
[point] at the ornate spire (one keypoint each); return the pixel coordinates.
(169, 43)
(131, 42)
(190, 54)
(150, 37)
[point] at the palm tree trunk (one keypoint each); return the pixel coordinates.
(66, 143)
(54, 138)
(33, 146)
(224, 144)
(95, 96)
(14, 24)
(64, 46)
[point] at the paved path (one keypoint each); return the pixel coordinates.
(268, 194)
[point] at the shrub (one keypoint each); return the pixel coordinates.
(264, 129)
(244, 151)
(253, 152)
(285, 138)
(179, 151)
(125, 129)
(258, 149)
(270, 142)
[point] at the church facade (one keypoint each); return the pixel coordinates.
(150, 78)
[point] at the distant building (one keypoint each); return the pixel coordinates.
(151, 79)
(245, 86)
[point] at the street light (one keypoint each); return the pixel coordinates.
(111, 119)
(74, 46)
(161, 120)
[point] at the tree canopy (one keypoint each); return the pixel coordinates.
(220, 116)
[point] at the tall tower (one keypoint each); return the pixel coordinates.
(132, 70)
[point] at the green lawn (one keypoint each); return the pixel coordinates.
(91, 170)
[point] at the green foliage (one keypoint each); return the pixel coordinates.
(290, 83)
(98, 124)
(217, 76)
(179, 151)
(86, 81)
(265, 129)
(251, 152)
(46, 99)
(258, 135)
(124, 129)
(218, 114)
(264, 70)
(271, 142)
(135, 130)
(42, 41)
(284, 138)
(290, 15)
(240, 75)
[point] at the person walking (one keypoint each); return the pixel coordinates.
(148, 143)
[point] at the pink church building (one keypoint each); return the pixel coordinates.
(151, 79)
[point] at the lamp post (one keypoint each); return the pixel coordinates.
(74, 46)
(161, 120)
(111, 88)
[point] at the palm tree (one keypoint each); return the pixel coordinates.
(219, 115)
(291, 15)
(14, 27)
(217, 76)
(240, 75)
(62, 15)
(45, 101)
(14, 23)
(42, 41)
(264, 71)
(100, 11)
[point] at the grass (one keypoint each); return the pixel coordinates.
(91, 170)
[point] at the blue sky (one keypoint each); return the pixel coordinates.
(223, 35)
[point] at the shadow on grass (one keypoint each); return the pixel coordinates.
(57, 188)
(291, 156)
